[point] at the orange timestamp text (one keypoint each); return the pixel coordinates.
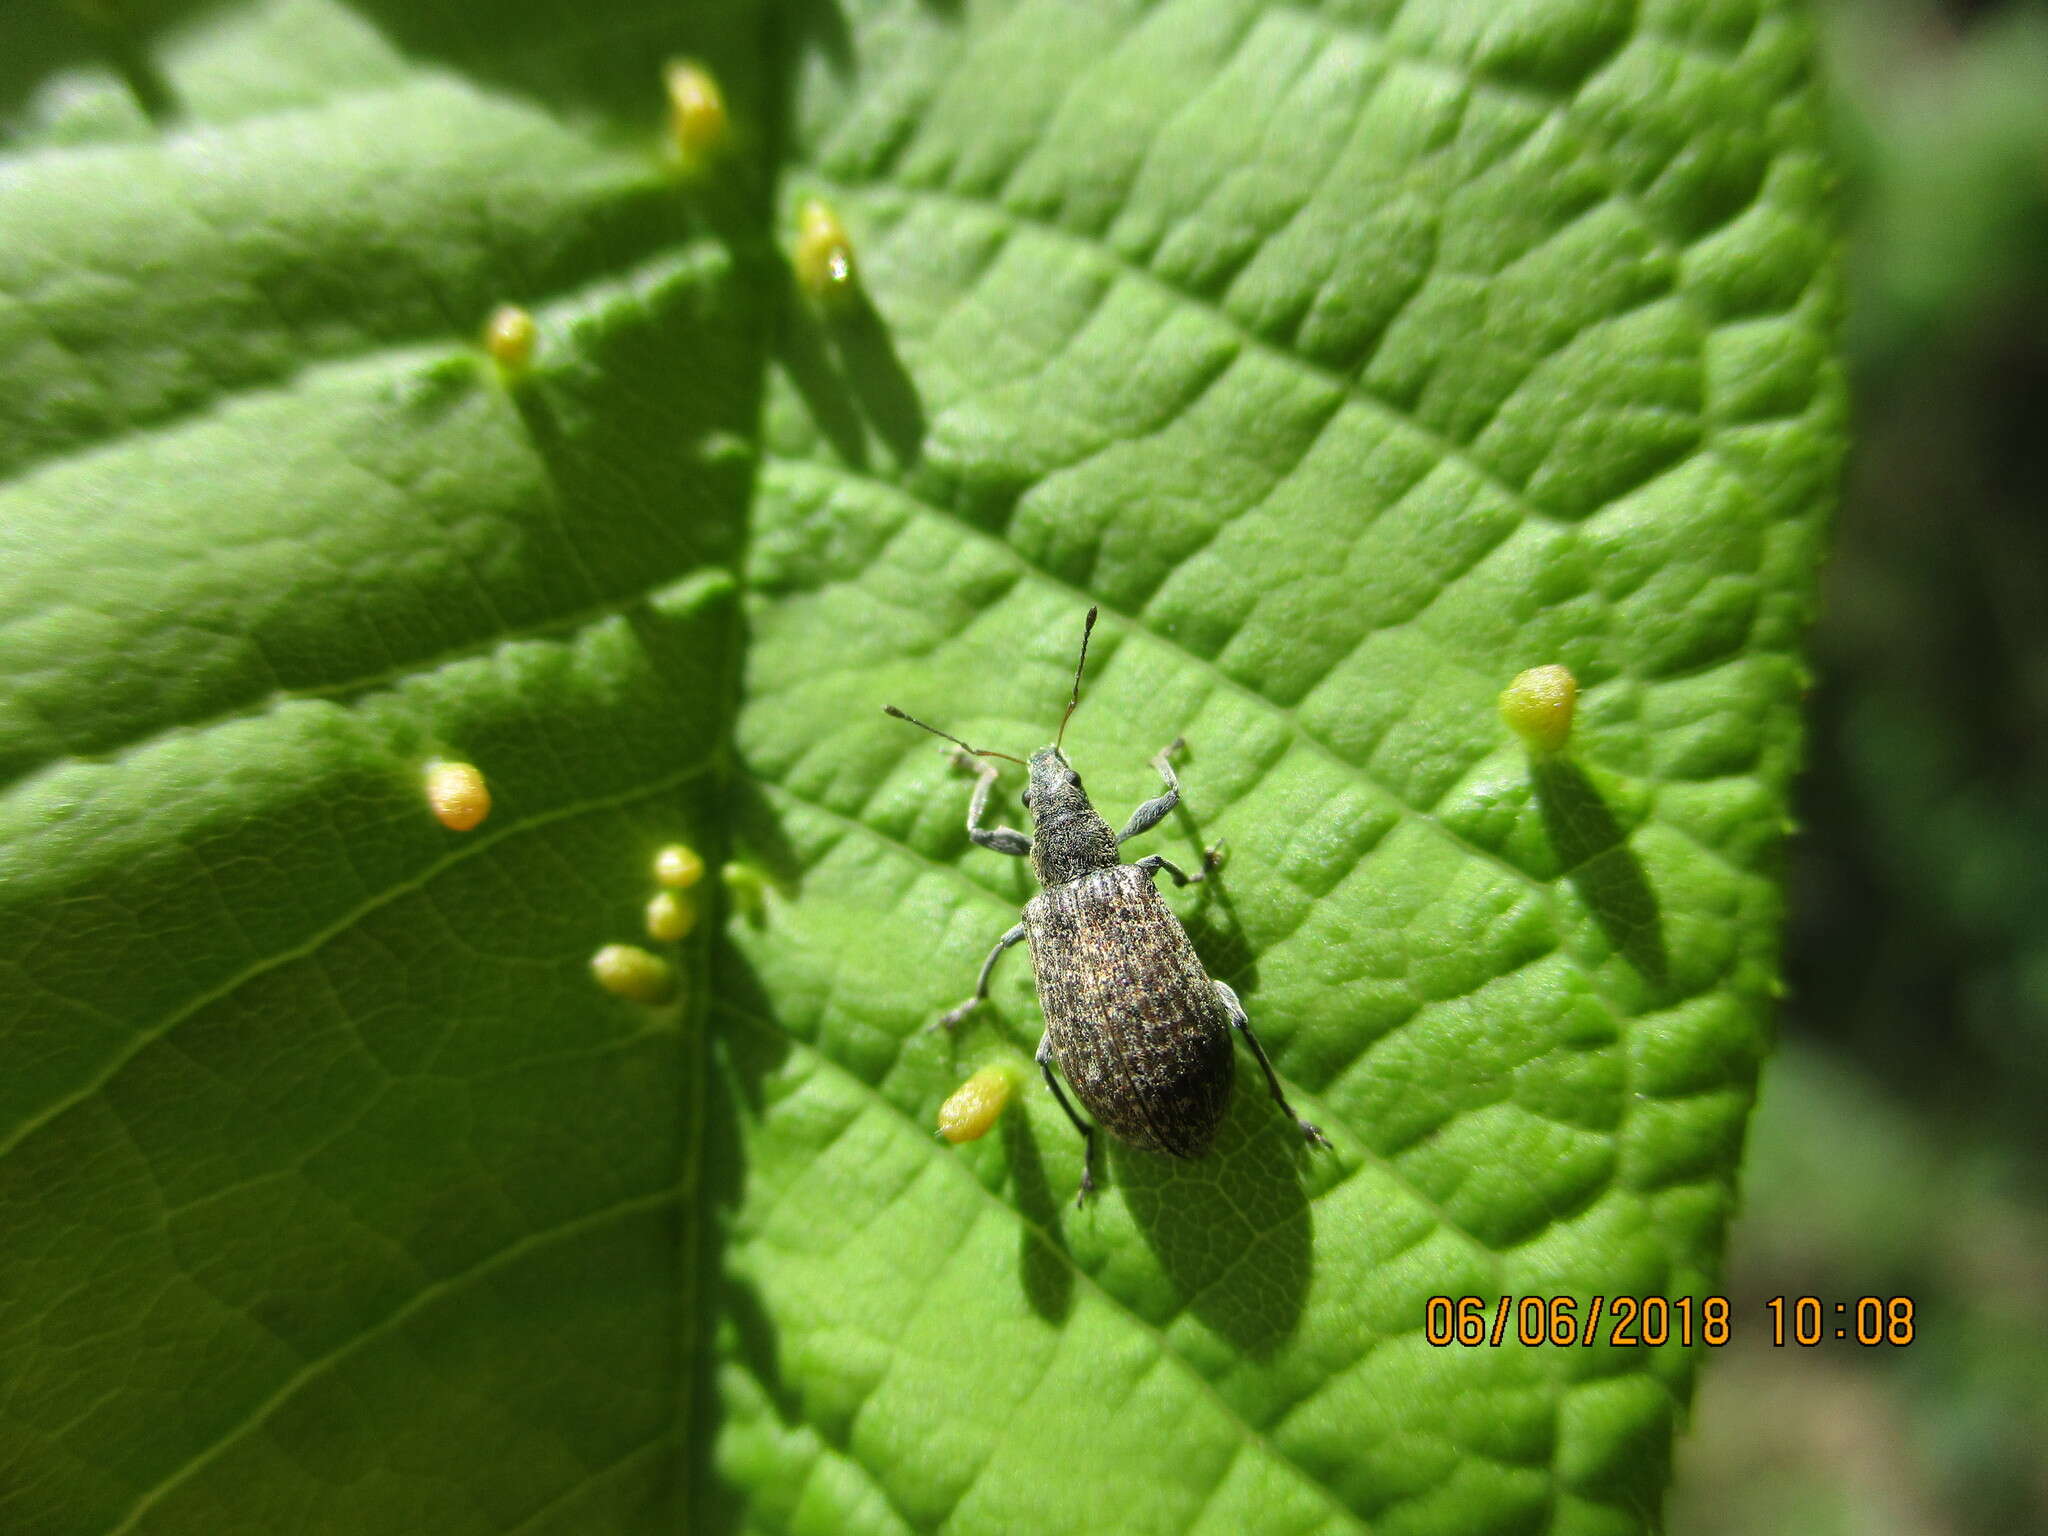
(1654, 1322)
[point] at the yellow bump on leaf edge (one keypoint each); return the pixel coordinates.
(678, 867)
(670, 916)
(457, 795)
(626, 970)
(698, 124)
(1538, 706)
(976, 1105)
(509, 337)
(824, 253)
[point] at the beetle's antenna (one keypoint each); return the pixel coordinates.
(891, 709)
(1087, 629)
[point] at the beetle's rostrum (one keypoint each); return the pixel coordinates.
(1132, 1020)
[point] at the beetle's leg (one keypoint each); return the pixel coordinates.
(1152, 863)
(953, 1016)
(1000, 839)
(1243, 1026)
(1087, 1131)
(1154, 811)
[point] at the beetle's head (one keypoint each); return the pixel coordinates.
(1068, 838)
(1055, 791)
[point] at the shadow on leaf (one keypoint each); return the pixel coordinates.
(758, 837)
(1219, 938)
(647, 457)
(1212, 922)
(1232, 1231)
(741, 1056)
(589, 70)
(851, 377)
(801, 349)
(1595, 856)
(1046, 1272)
(128, 41)
(881, 385)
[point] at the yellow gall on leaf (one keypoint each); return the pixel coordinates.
(670, 916)
(678, 867)
(824, 254)
(697, 121)
(1538, 707)
(509, 336)
(457, 795)
(976, 1105)
(626, 970)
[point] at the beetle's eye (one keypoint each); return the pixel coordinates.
(1026, 797)
(1073, 781)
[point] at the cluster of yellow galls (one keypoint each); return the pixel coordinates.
(700, 133)
(639, 975)
(1538, 705)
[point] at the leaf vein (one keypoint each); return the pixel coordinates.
(412, 1306)
(1162, 1347)
(471, 848)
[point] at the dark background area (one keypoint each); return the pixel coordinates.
(1899, 1147)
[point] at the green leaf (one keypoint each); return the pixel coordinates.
(1354, 357)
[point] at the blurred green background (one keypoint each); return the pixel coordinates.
(1899, 1145)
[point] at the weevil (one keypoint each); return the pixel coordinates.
(1132, 1020)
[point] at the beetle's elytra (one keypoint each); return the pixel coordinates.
(1132, 1021)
